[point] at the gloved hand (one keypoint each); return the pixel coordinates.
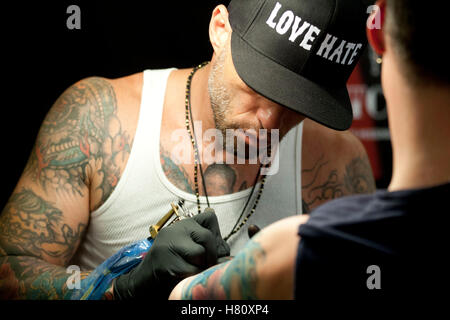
(180, 250)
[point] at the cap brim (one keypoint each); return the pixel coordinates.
(329, 106)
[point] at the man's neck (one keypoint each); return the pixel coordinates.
(420, 129)
(200, 101)
(202, 114)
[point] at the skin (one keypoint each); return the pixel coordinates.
(264, 269)
(84, 143)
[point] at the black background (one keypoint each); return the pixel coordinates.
(42, 57)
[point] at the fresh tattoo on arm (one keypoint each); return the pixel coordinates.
(236, 279)
(81, 135)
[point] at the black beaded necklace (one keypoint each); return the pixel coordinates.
(197, 163)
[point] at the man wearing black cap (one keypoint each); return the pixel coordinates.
(388, 247)
(113, 154)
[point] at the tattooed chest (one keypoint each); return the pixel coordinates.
(219, 178)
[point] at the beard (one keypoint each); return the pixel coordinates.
(220, 98)
(219, 95)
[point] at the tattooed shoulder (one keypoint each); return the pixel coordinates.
(80, 135)
(335, 164)
(358, 177)
(327, 180)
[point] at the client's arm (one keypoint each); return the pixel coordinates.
(264, 269)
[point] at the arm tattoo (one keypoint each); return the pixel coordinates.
(30, 278)
(32, 226)
(32, 231)
(236, 279)
(23, 277)
(81, 135)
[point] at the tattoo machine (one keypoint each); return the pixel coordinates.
(94, 286)
(180, 212)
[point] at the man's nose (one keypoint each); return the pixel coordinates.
(270, 115)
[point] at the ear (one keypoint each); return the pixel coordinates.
(375, 26)
(219, 28)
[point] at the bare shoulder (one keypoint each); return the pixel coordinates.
(128, 89)
(334, 164)
(319, 138)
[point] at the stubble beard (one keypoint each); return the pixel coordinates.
(220, 98)
(218, 94)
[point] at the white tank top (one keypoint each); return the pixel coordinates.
(143, 193)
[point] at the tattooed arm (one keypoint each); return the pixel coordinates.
(70, 172)
(335, 164)
(262, 270)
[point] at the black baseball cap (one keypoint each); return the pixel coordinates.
(300, 53)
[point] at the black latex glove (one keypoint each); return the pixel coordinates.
(209, 220)
(180, 250)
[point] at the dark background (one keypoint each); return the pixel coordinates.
(41, 57)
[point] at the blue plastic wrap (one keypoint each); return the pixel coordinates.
(94, 286)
